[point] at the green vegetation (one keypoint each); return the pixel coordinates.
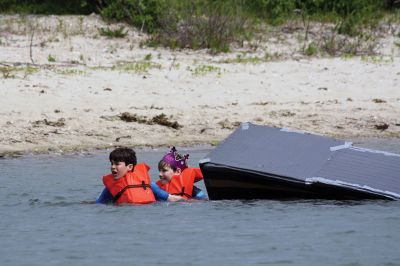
(377, 59)
(69, 71)
(9, 72)
(30, 70)
(140, 67)
(48, 7)
(215, 25)
(204, 24)
(243, 60)
(148, 57)
(144, 14)
(51, 58)
(110, 33)
(203, 70)
(250, 60)
(311, 49)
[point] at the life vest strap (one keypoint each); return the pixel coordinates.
(182, 193)
(119, 194)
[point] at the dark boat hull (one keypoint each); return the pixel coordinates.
(227, 184)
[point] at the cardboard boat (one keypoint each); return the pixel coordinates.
(261, 162)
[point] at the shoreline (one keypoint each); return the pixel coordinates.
(87, 92)
(61, 151)
(93, 151)
(391, 145)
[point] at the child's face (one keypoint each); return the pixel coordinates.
(119, 169)
(166, 174)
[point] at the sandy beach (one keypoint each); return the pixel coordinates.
(65, 88)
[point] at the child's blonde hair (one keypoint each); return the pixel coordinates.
(162, 165)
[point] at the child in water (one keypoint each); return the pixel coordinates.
(129, 182)
(177, 178)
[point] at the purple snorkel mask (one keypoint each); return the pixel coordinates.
(175, 159)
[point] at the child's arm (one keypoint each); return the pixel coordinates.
(162, 195)
(198, 194)
(105, 197)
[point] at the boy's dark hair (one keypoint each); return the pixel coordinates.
(123, 154)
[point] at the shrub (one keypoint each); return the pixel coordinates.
(274, 11)
(202, 24)
(54, 7)
(110, 33)
(311, 49)
(349, 14)
(143, 14)
(213, 24)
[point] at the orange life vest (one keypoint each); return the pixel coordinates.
(133, 187)
(182, 185)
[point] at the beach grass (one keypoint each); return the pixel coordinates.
(217, 25)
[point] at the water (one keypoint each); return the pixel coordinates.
(48, 218)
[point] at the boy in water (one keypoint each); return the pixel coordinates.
(177, 178)
(129, 182)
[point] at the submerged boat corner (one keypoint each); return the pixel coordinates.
(261, 162)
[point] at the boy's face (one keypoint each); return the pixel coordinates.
(119, 169)
(166, 174)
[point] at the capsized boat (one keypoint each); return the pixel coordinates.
(261, 162)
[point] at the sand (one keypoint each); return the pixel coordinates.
(66, 88)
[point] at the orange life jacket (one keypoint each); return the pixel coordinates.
(133, 187)
(182, 185)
